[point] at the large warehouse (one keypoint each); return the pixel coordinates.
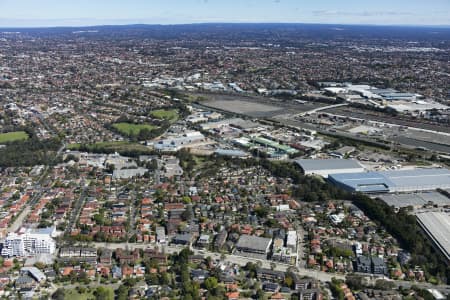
(325, 167)
(393, 181)
(415, 200)
(249, 245)
(437, 226)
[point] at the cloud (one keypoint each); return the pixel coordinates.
(318, 13)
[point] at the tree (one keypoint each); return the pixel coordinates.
(381, 284)
(186, 215)
(110, 168)
(183, 256)
(102, 293)
(336, 289)
(355, 282)
(259, 264)
(152, 279)
(40, 265)
(288, 281)
(211, 283)
(187, 200)
(187, 297)
(259, 294)
(261, 211)
(133, 238)
(251, 269)
(99, 218)
(58, 294)
(272, 266)
(144, 134)
(122, 292)
(165, 278)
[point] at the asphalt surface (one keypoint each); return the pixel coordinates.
(383, 118)
(35, 198)
(255, 106)
(424, 144)
(75, 212)
(231, 258)
(287, 112)
(242, 261)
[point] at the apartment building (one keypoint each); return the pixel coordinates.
(29, 242)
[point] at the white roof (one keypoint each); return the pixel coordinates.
(437, 226)
(310, 165)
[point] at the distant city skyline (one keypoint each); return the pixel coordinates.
(47, 13)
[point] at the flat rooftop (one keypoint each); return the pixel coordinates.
(366, 182)
(253, 242)
(394, 181)
(419, 177)
(437, 227)
(328, 164)
(415, 199)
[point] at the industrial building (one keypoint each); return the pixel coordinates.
(325, 167)
(244, 125)
(249, 244)
(29, 242)
(399, 101)
(393, 181)
(437, 227)
(274, 145)
(176, 143)
(231, 153)
(129, 173)
(416, 200)
(34, 272)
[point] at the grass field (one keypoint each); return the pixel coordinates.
(13, 136)
(109, 147)
(74, 295)
(132, 129)
(166, 114)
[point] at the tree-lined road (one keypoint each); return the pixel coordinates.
(39, 191)
(242, 261)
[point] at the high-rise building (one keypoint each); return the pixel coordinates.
(29, 242)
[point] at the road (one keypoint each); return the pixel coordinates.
(94, 284)
(76, 208)
(132, 211)
(313, 111)
(231, 258)
(301, 261)
(287, 118)
(18, 222)
(242, 261)
(371, 116)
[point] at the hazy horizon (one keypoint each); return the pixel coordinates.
(82, 13)
(212, 23)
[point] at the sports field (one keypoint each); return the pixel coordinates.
(13, 136)
(166, 114)
(132, 129)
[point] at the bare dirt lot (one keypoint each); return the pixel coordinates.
(256, 106)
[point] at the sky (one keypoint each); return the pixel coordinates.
(43, 13)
